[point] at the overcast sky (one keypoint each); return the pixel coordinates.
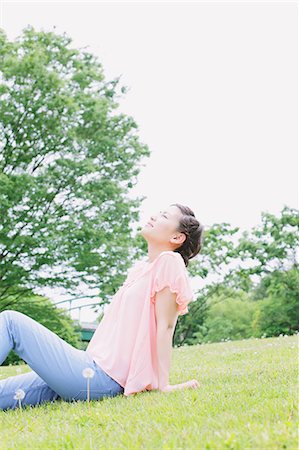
(213, 88)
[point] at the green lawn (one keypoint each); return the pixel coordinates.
(248, 399)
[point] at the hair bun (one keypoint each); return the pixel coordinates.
(194, 231)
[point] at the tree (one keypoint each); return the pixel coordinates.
(231, 319)
(67, 163)
(234, 266)
(278, 301)
(190, 324)
(269, 247)
(241, 261)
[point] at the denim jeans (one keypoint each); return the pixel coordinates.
(57, 365)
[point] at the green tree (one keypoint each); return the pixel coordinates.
(240, 261)
(189, 325)
(67, 163)
(229, 316)
(266, 248)
(278, 301)
(237, 265)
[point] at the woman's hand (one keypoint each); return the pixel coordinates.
(192, 384)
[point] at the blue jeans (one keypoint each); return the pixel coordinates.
(57, 366)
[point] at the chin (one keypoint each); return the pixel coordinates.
(142, 231)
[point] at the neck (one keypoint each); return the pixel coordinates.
(154, 252)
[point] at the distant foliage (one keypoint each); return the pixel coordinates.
(256, 289)
(278, 311)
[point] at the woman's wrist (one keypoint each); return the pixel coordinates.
(187, 384)
(168, 388)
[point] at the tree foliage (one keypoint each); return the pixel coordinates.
(67, 163)
(260, 264)
(278, 300)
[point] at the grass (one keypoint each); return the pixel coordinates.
(248, 399)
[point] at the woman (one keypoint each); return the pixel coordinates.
(130, 350)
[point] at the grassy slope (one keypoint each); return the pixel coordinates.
(248, 399)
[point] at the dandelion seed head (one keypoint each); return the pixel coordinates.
(88, 372)
(20, 394)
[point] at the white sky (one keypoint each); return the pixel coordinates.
(213, 90)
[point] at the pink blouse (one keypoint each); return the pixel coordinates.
(124, 343)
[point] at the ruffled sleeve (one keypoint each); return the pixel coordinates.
(170, 271)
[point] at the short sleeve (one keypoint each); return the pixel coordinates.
(170, 272)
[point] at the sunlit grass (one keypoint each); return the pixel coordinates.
(247, 399)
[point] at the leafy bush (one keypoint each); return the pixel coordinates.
(278, 313)
(229, 319)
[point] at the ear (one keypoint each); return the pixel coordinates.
(179, 238)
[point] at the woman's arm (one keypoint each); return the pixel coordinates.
(166, 317)
(164, 349)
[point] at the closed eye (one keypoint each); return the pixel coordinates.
(164, 215)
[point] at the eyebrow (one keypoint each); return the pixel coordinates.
(165, 212)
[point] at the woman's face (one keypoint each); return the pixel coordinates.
(161, 227)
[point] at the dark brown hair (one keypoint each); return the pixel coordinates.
(193, 230)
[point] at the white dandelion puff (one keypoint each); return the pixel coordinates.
(19, 395)
(88, 373)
